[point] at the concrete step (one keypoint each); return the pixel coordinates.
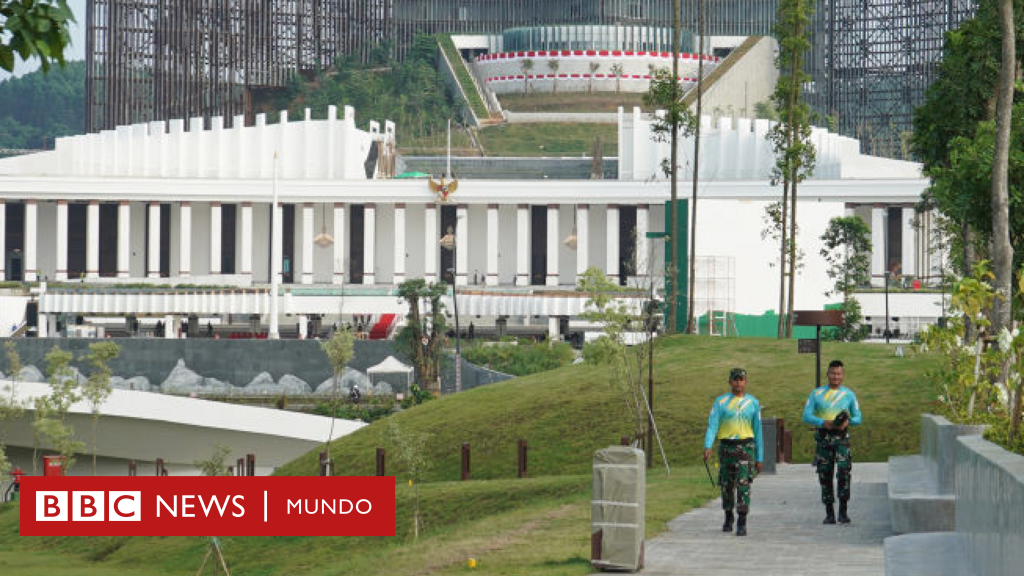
(915, 503)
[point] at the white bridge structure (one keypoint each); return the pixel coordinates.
(159, 205)
(142, 426)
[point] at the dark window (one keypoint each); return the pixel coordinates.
(108, 240)
(76, 240)
(357, 218)
(228, 216)
(539, 245)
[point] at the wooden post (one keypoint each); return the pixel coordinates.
(160, 467)
(132, 468)
(624, 440)
(250, 464)
(381, 457)
(780, 440)
(465, 460)
(522, 458)
(240, 467)
(788, 447)
(323, 463)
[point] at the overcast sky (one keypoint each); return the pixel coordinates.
(76, 52)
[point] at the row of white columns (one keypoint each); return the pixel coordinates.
(431, 234)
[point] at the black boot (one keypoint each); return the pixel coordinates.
(830, 515)
(727, 527)
(741, 525)
(843, 518)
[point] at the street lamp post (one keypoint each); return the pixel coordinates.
(448, 242)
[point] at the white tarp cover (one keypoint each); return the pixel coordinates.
(390, 365)
(617, 508)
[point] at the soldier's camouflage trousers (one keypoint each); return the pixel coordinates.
(736, 463)
(832, 454)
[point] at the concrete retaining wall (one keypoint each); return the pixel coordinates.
(990, 506)
(939, 447)
(234, 361)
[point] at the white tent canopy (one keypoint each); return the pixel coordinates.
(390, 365)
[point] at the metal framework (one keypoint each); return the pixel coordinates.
(160, 59)
(870, 63)
(873, 62)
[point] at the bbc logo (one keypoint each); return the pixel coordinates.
(89, 506)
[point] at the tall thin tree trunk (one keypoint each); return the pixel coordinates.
(782, 258)
(673, 251)
(691, 326)
(1002, 250)
(792, 254)
(794, 170)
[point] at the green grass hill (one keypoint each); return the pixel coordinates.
(538, 525)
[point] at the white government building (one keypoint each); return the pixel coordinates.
(158, 204)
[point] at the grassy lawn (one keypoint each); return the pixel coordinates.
(539, 525)
(570, 102)
(554, 139)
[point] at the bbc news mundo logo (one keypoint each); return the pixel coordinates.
(196, 506)
(89, 506)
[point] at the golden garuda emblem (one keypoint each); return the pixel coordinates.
(442, 190)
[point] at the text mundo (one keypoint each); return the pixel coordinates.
(230, 506)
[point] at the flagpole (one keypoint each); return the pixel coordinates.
(275, 256)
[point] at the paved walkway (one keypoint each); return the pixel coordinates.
(786, 536)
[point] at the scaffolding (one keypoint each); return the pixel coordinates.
(155, 60)
(714, 294)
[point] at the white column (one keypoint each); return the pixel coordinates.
(216, 221)
(303, 327)
(643, 255)
(613, 263)
(170, 327)
(339, 241)
(492, 245)
(462, 242)
(552, 268)
(31, 245)
(523, 245)
(3, 240)
(153, 266)
(909, 244)
(369, 239)
(62, 240)
(399, 243)
(92, 239)
(307, 243)
(124, 239)
(582, 239)
(245, 261)
(42, 326)
(430, 245)
(185, 240)
(277, 248)
(877, 246)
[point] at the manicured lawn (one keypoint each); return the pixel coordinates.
(555, 139)
(538, 525)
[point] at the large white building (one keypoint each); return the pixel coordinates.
(154, 203)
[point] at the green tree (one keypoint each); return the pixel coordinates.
(339, 349)
(1002, 250)
(526, 65)
(34, 29)
(626, 361)
(409, 448)
(846, 247)
(617, 72)
(424, 325)
(677, 121)
(553, 66)
(216, 465)
(97, 387)
(10, 404)
(790, 137)
(40, 106)
(594, 67)
(51, 411)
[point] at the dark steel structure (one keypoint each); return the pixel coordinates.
(870, 63)
(160, 59)
(873, 61)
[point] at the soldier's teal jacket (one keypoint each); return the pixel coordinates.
(735, 418)
(825, 404)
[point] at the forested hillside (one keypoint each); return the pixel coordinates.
(42, 106)
(411, 93)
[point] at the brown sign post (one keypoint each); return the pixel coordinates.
(816, 318)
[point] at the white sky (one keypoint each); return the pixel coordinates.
(76, 52)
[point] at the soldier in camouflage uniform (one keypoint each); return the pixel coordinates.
(735, 420)
(832, 410)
